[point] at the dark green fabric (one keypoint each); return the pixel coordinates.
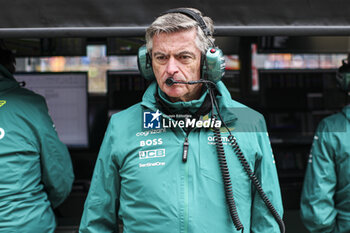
(325, 200)
(36, 172)
(162, 193)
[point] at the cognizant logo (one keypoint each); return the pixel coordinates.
(2, 133)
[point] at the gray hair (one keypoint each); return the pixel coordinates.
(177, 22)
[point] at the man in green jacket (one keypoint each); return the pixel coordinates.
(325, 200)
(158, 168)
(36, 172)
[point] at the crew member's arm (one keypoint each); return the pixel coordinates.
(265, 170)
(56, 165)
(102, 204)
(317, 204)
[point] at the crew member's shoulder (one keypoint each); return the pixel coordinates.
(334, 118)
(245, 113)
(334, 123)
(242, 112)
(128, 116)
(28, 98)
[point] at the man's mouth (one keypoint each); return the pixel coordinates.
(170, 81)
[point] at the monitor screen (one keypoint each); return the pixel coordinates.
(124, 88)
(66, 97)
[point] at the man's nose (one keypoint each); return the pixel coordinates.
(172, 67)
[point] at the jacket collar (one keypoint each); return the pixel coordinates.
(226, 105)
(190, 107)
(148, 99)
(7, 81)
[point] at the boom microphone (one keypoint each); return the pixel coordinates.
(170, 81)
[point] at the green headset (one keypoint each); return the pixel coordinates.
(343, 75)
(212, 63)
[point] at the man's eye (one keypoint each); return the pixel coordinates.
(161, 58)
(185, 58)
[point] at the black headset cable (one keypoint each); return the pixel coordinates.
(225, 171)
(248, 170)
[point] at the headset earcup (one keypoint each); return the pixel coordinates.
(213, 67)
(144, 63)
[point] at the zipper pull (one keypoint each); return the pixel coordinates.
(185, 150)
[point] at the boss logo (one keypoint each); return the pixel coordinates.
(150, 142)
(2, 133)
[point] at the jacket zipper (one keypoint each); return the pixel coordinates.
(184, 228)
(185, 150)
(186, 145)
(186, 200)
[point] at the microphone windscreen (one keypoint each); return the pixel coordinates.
(169, 81)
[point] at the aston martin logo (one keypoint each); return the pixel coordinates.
(2, 103)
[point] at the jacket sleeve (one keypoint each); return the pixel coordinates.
(101, 206)
(56, 165)
(317, 205)
(265, 170)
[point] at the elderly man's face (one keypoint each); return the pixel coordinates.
(176, 55)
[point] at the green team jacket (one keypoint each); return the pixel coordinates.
(36, 173)
(140, 177)
(325, 200)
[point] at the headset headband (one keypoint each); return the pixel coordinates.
(193, 15)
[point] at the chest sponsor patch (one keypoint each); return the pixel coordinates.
(212, 140)
(156, 164)
(149, 154)
(148, 132)
(154, 142)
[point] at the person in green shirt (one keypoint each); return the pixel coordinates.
(158, 168)
(36, 172)
(325, 199)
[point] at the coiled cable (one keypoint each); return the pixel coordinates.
(227, 180)
(246, 167)
(255, 181)
(225, 172)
